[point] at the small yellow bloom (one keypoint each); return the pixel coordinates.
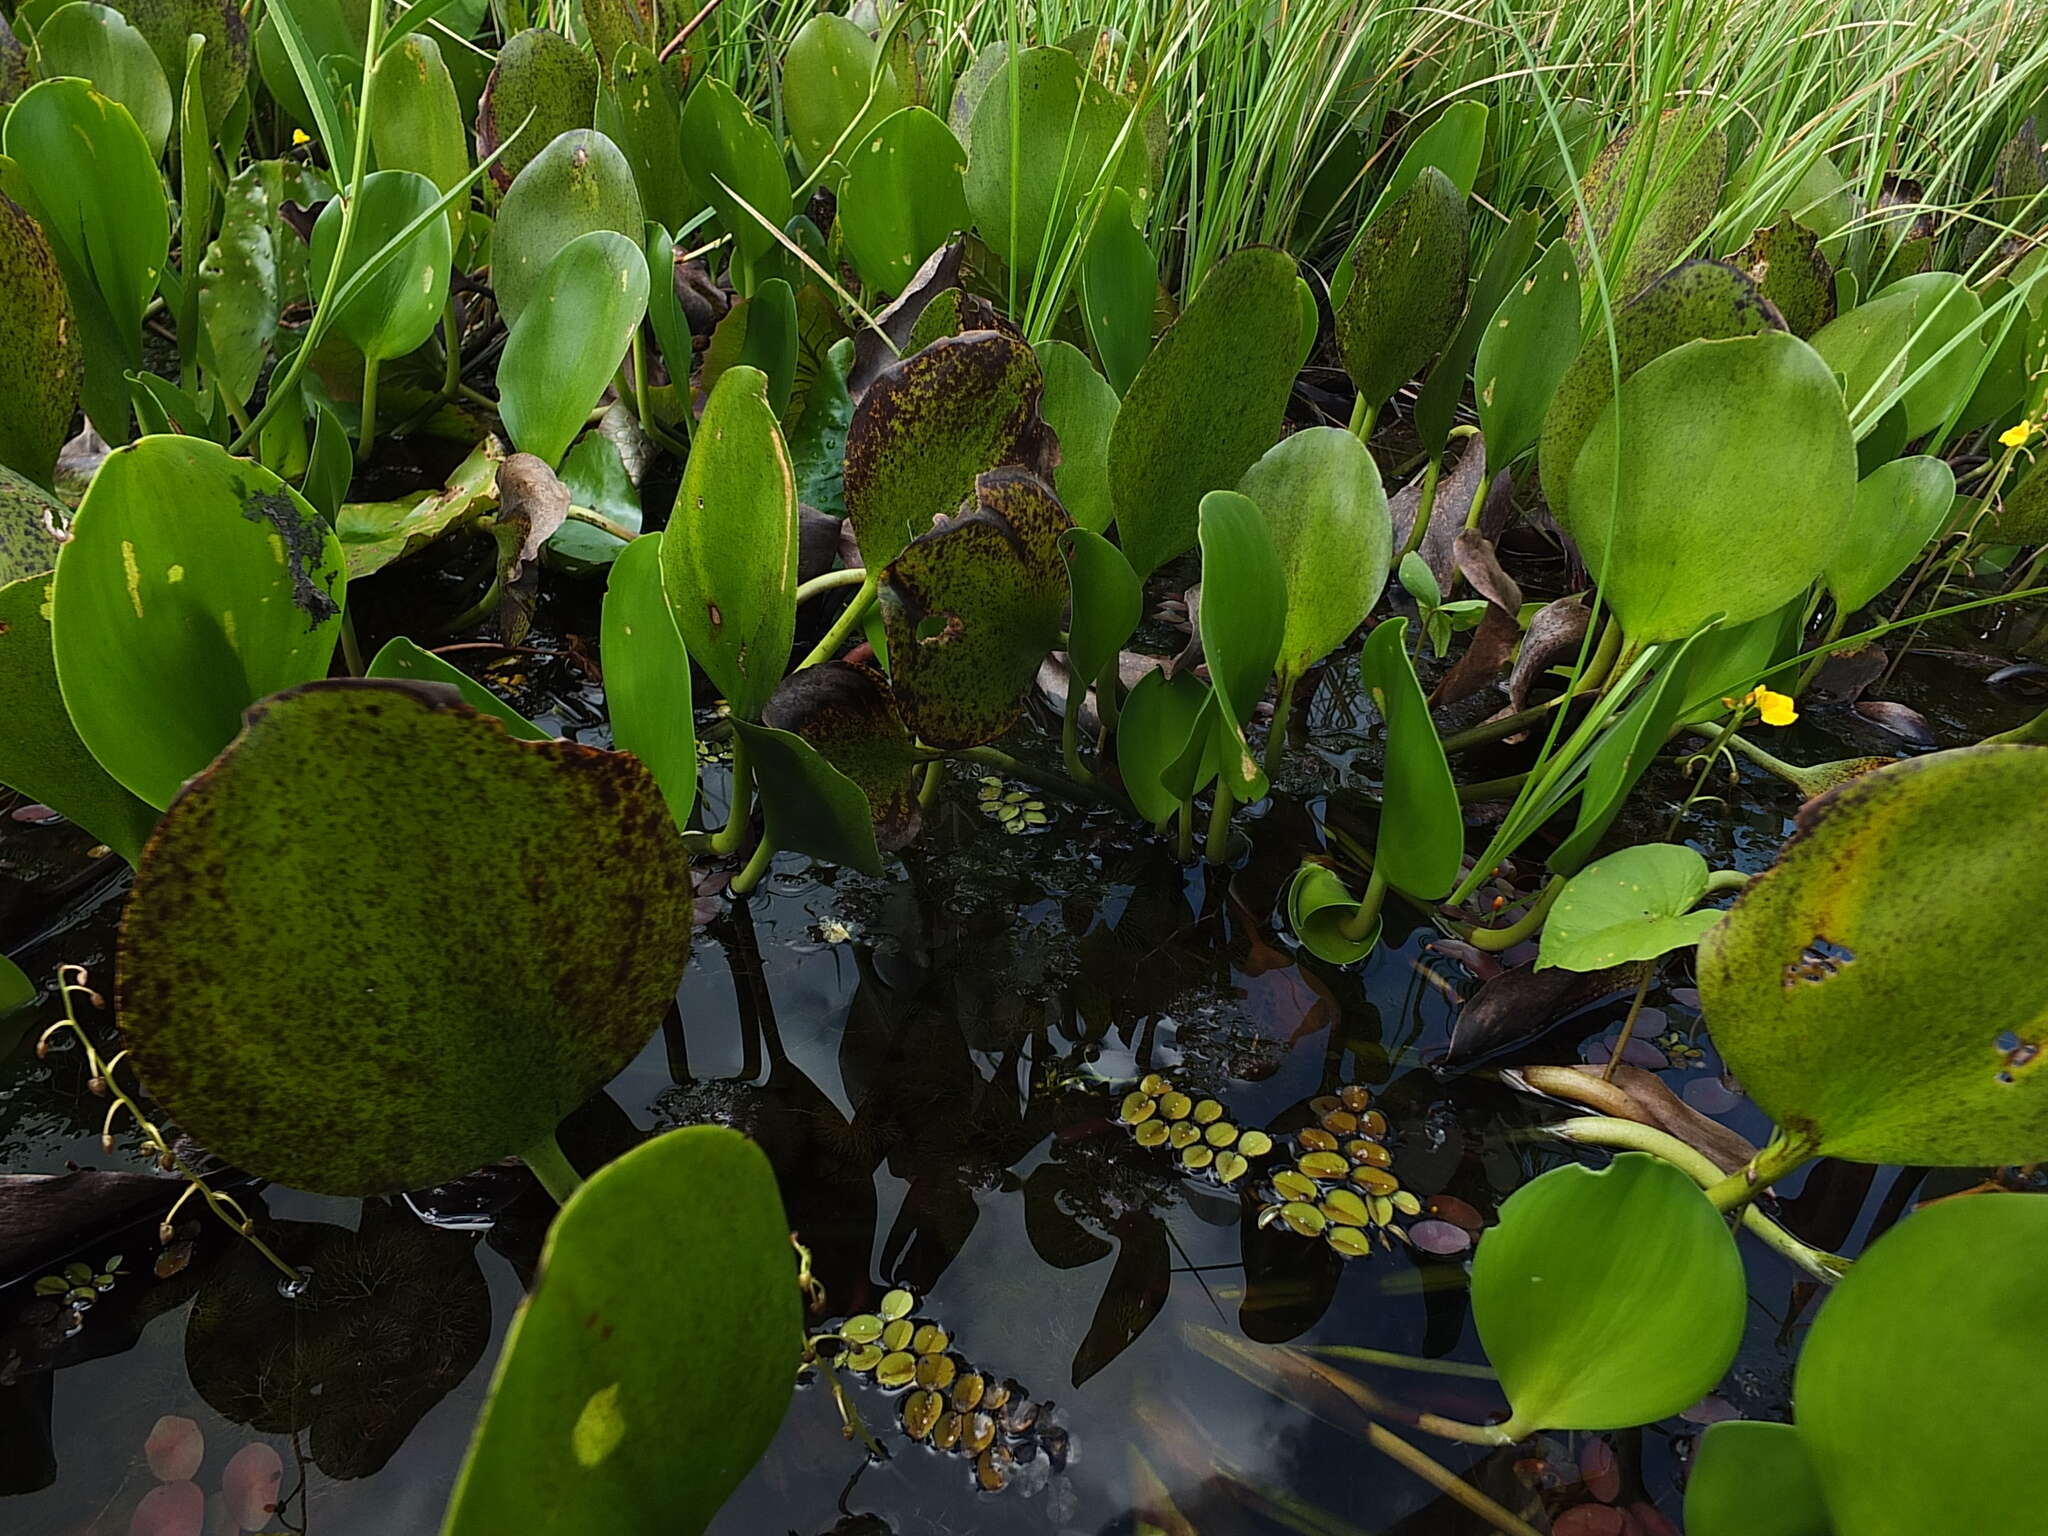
(300, 137)
(1772, 708)
(2019, 436)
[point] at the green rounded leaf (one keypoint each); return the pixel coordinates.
(1529, 343)
(418, 122)
(1905, 327)
(835, 90)
(41, 364)
(807, 805)
(1242, 618)
(543, 75)
(1899, 507)
(224, 65)
(640, 109)
(40, 753)
(1159, 721)
(1107, 603)
(1208, 402)
(1718, 481)
(1575, 1291)
(193, 585)
(1119, 290)
(1754, 1479)
(1635, 904)
(1323, 501)
(666, 1312)
(1878, 987)
(1406, 286)
(1792, 273)
(1422, 828)
(647, 675)
(847, 714)
(447, 1031)
(1318, 907)
(736, 166)
(96, 43)
(728, 558)
(1702, 300)
(903, 196)
(398, 308)
(578, 183)
(971, 609)
(1934, 1321)
(1651, 193)
(402, 661)
(1081, 408)
(567, 345)
(928, 426)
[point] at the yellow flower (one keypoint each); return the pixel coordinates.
(300, 137)
(1772, 708)
(2017, 437)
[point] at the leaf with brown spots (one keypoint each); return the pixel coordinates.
(310, 982)
(972, 607)
(42, 364)
(848, 715)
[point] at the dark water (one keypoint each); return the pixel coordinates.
(924, 1057)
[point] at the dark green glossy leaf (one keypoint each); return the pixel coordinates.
(1700, 300)
(567, 346)
(417, 125)
(817, 438)
(194, 584)
(928, 426)
(836, 91)
(758, 332)
(40, 753)
(1422, 830)
(1651, 194)
(402, 661)
(1530, 342)
(1718, 481)
(807, 805)
(1754, 1479)
(1406, 288)
(728, 559)
(1107, 602)
(1321, 494)
(971, 609)
(848, 715)
(1573, 1292)
(401, 304)
(330, 468)
(578, 183)
(664, 308)
(596, 478)
(1875, 989)
(1081, 408)
(1318, 907)
(323, 28)
(1243, 616)
(545, 75)
(736, 165)
(1791, 272)
(96, 43)
(1898, 509)
(1119, 289)
(1207, 403)
(605, 1373)
(41, 364)
(647, 675)
(904, 196)
(452, 1031)
(640, 109)
(1932, 1320)
(1159, 720)
(1635, 904)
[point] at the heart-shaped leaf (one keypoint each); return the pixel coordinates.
(1321, 494)
(932, 423)
(807, 805)
(903, 197)
(565, 349)
(1877, 988)
(647, 675)
(41, 364)
(603, 1372)
(193, 584)
(96, 43)
(1422, 828)
(728, 558)
(1242, 619)
(1632, 905)
(836, 91)
(402, 661)
(848, 715)
(1702, 300)
(1406, 286)
(1160, 719)
(1318, 908)
(1529, 343)
(577, 183)
(1927, 1317)
(1572, 1294)
(399, 307)
(972, 607)
(544, 76)
(1650, 194)
(1207, 403)
(1754, 1479)
(1899, 507)
(452, 1031)
(1718, 481)
(736, 165)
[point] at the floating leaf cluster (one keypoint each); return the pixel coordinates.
(1015, 810)
(1341, 1186)
(1205, 1142)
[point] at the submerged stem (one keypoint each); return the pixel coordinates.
(548, 1164)
(1497, 939)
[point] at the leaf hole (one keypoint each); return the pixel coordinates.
(1819, 960)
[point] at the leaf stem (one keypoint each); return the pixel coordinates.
(1784, 1154)
(1495, 940)
(1367, 916)
(367, 433)
(1217, 846)
(757, 866)
(1628, 1025)
(1276, 733)
(1425, 508)
(1070, 728)
(845, 624)
(737, 810)
(598, 520)
(831, 581)
(548, 1164)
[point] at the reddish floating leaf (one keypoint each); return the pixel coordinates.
(170, 1509)
(174, 1449)
(250, 1485)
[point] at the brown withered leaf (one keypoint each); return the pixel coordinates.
(1634, 1094)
